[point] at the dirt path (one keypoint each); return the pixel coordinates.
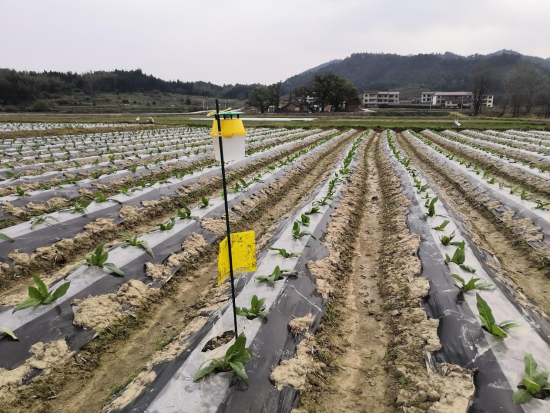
(84, 388)
(518, 261)
(359, 382)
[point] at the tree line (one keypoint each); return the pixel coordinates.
(18, 87)
(325, 89)
(524, 86)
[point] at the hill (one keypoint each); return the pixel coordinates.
(443, 72)
(20, 87)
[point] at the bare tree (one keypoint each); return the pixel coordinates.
(481, 79)
(302, 93)
(531, 84)
(543, 98)
(275, 91)
(515, 82)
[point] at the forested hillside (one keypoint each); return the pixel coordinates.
(443, 72)
(23, 87)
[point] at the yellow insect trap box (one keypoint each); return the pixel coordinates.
(233, 138)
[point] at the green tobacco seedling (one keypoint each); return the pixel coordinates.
(8, 332)
(20, 192)
(133, 241)
(40, 295)
(186, 213)
(459, 257)
(4, 237)
(446, 240)
(297, 234)
(542, 205)
(235, 188)
(488, 321)
(284, 253)
(470, 285)
(442, 226)
(245, 184)
(99, 197)
(235, 359)
(96, 174)
(79, 207)
(42, 220)
(314, 210)
(255, 309)
(165, 227)
(204, 202)
(534, 384)
(431, 207)
(305, 220)
(276, 275)
(98, 259)
(523, 195)
(423, 188)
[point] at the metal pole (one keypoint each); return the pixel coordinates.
(227, 217)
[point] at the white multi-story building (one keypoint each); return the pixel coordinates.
(453, 100)
(377, 97)
(488, 101)
(426, 98)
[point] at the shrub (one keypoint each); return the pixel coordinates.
(41, 106)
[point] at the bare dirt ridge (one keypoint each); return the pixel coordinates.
(375, 333)
(349, 341)
(412, 334)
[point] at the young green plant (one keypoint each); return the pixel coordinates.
(470, 285)
(7, 331)
(40, 295)
(431, 207)
(235, 359)
(446, 239)
(313, 210)
(98, 259)
(255, 309)
(442, 226)
(186, 213)
(534, 384)
(304, 220)
(204, 202)
(165, 227)
(42, 219)
(134, 242)
(297, 233)
(276, 275)
(459, 257)
(4, 237)
(79, 207)
(284, 252)
(488, 320)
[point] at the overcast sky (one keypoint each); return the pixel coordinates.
(252, 41)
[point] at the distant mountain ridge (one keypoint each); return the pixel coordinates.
(444, 72)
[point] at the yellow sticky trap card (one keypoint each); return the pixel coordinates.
(243, 252)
